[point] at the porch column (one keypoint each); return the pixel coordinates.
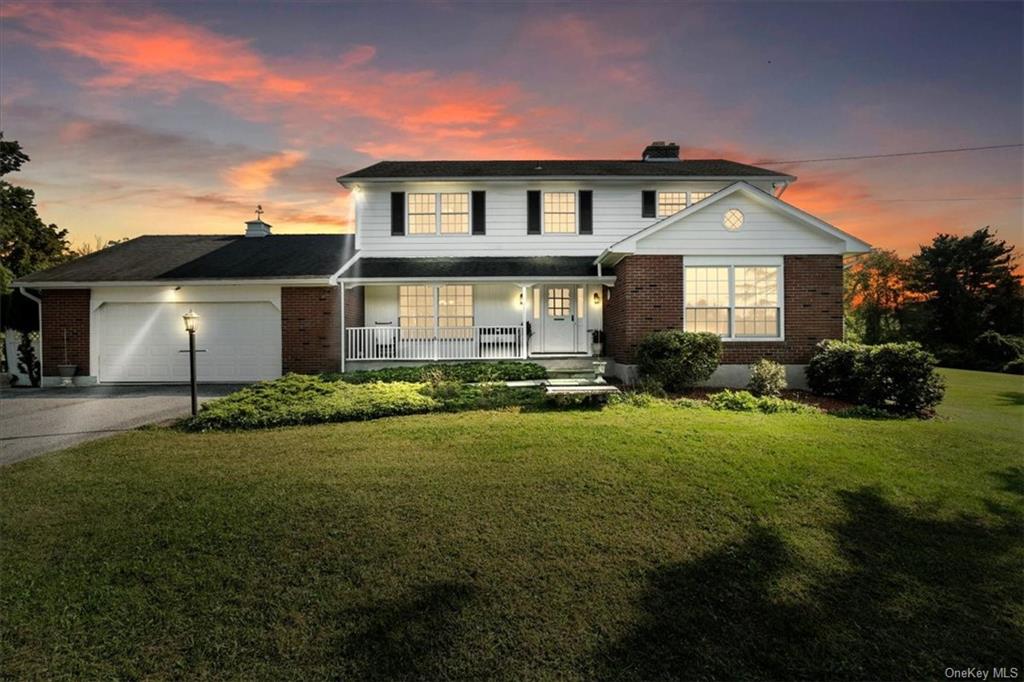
(526, 339)
(437, 310)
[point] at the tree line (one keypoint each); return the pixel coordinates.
(961, 297)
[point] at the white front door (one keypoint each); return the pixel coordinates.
(559, 323)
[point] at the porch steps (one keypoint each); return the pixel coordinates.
(582, 389)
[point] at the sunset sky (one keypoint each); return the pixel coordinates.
(145, 118)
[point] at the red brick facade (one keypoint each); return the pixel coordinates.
(310, 330)
(648, 296)
(65, 310)
(355, 307)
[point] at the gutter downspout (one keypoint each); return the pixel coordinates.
(39, 306)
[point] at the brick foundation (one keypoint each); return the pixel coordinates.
(648, 296)
(310, 330)
(65, 309)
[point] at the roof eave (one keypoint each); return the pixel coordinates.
(348, 181)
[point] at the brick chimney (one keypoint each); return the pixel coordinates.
(257, 228)
(661, 151)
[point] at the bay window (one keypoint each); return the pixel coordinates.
(735, 301)
(438, 213)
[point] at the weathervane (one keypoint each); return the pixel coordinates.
(259, 212)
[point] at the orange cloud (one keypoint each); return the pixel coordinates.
(259, 174)
(314, 99)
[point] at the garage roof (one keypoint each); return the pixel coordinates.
(204, 257)
(463, 268)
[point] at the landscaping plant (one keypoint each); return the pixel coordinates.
(744, 401)
(895, 377)
(767, 377)
(28, 363)
(678, 359)
(467, 372)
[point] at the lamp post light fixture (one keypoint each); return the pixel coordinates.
(191, 324)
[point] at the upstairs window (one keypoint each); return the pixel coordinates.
(735, 302)
(559, 212)
(455, 213)
(422, 213)
(670, 203)
(699, 196)
(439, 213)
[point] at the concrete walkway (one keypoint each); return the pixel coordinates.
(34, 421)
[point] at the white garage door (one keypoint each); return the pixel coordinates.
(142, 342)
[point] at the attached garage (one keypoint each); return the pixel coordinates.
(266, 305)
(143, 342)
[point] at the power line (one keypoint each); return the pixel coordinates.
(958, 199)
(889, 156)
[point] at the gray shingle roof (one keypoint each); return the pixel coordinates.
(552, 168)
(449, 268)
(184, 257)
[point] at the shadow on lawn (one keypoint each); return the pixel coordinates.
(1012, 397)
(918, 595)
(410, 638)
(1012, 479)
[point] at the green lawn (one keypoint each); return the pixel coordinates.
(621, 544)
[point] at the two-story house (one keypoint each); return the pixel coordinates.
(465, 260)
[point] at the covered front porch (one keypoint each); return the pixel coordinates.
(459, 320)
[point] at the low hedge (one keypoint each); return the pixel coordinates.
(678, 359)
(894, 377)
(745, 401)
(467, 372)
(296, 399)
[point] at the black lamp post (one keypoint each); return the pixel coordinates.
(191, 324)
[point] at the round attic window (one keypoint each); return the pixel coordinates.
(733, 219)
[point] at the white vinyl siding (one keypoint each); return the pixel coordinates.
(616, 215)
(765, 231)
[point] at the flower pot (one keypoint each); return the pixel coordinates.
(67, 374)
(597, 349)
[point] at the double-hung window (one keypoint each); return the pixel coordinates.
(559, 212)
(670, 203)
(699, 196)
(438, 213)
(735, 301)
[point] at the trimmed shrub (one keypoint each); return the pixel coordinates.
(832, 370)
(900, 378)
(744, 401)
(895, 377)
(678, 359)
(632, 399)
(302, 399)
(767, 377)
(467, 372)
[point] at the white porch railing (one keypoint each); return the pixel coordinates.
(442, 343)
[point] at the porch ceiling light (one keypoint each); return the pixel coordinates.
(191, 321)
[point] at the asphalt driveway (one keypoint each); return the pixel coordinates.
(34, 421)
